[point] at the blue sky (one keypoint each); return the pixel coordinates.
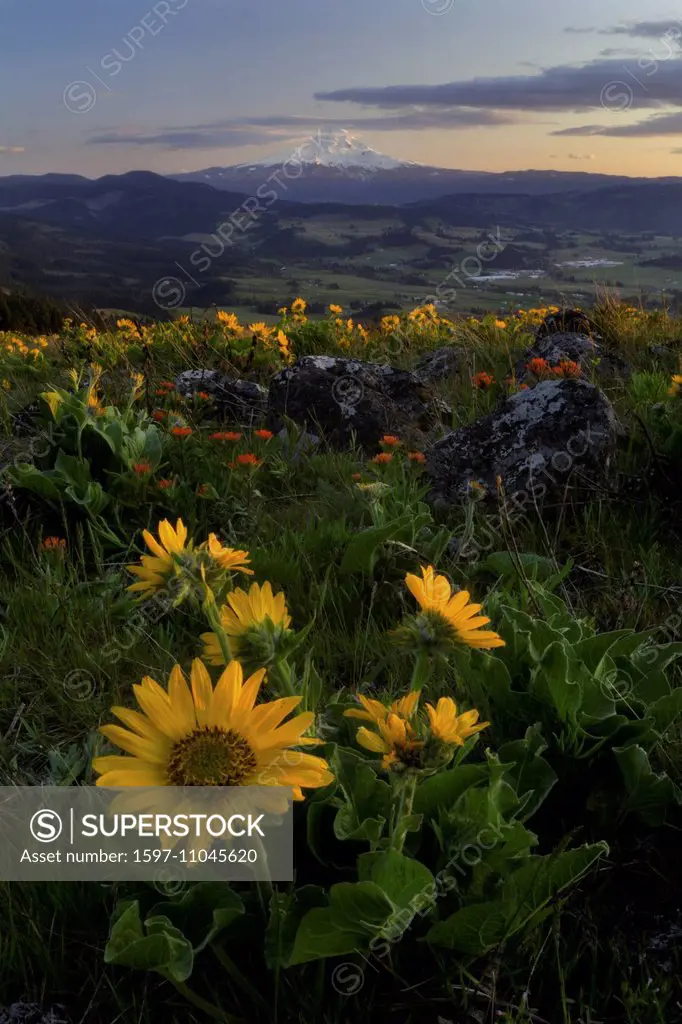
(95, 86)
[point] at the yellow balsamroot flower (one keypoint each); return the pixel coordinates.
(406, 739)
(500, 324)
(157, 567)
(434, 594)
(260, 329)
(396, 740)
(198, 735)
(390, 323)
(374, 711)
(53, 399)
(227, 558)
(299, 306)
(451, 728)
(243, 613)
(336, 310)
(676, 384)
(228, 320)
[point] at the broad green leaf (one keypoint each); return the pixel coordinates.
(535, 567)
(443, 790)
(650, 794)
(363, 550)
(368, 798)
(163, 949)
(479, 927)
(204, 910)
(531, 775)
(403, 879)
(356, 914)
(287, 910)
(76, 471)
(45, 484)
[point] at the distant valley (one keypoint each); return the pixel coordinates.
(145, 243)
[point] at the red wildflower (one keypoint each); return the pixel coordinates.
(158, 415)
(416, 456)
(53, 544)
(249, 459)
(165, 484)
(382, 458)
(390, 440)
(482, 380)
(539, 367)
(567, 368)
(265, 435)
(181, 431)
(225, 435)
(141, 468)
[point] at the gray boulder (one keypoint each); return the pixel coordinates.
(241, 401)
(567, 321)
(560, 434)
(31, 1013)
(441, 363)
(338, 397)
(578, 348)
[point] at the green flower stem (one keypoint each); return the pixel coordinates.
(405, 802)
(213, 616)
(421, 671)
(279, 672)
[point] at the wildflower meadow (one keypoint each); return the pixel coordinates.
(474, 705)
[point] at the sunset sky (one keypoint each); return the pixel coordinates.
(95, 86)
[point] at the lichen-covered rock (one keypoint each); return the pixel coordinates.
(567, 321)
(578, 348)
(560, 434)
(337, 398)
(31, 1013)
(441, 363)
(241, 401)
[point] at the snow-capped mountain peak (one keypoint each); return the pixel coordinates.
(338, 151)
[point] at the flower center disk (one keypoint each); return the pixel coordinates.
(211, 757)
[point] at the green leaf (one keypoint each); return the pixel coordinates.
(205, 910)
(163, 949)
(551, 680)
(28, 477)
(404, 880)
(356, 914)
(363, 550)
(649, 793)
(287, 910)
(535, 567)
(479, 927)
(74, 470)
(368, 798)
(443, 790)
(531, 775)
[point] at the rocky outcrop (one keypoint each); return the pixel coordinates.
(338, 398)
(577, 348)
(240, 401)
(32, 1013)
(441, 363)
(556, 436)
(567, 321)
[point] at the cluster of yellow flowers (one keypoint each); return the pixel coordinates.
(196, 734)
(12, 345)
(270, 338)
